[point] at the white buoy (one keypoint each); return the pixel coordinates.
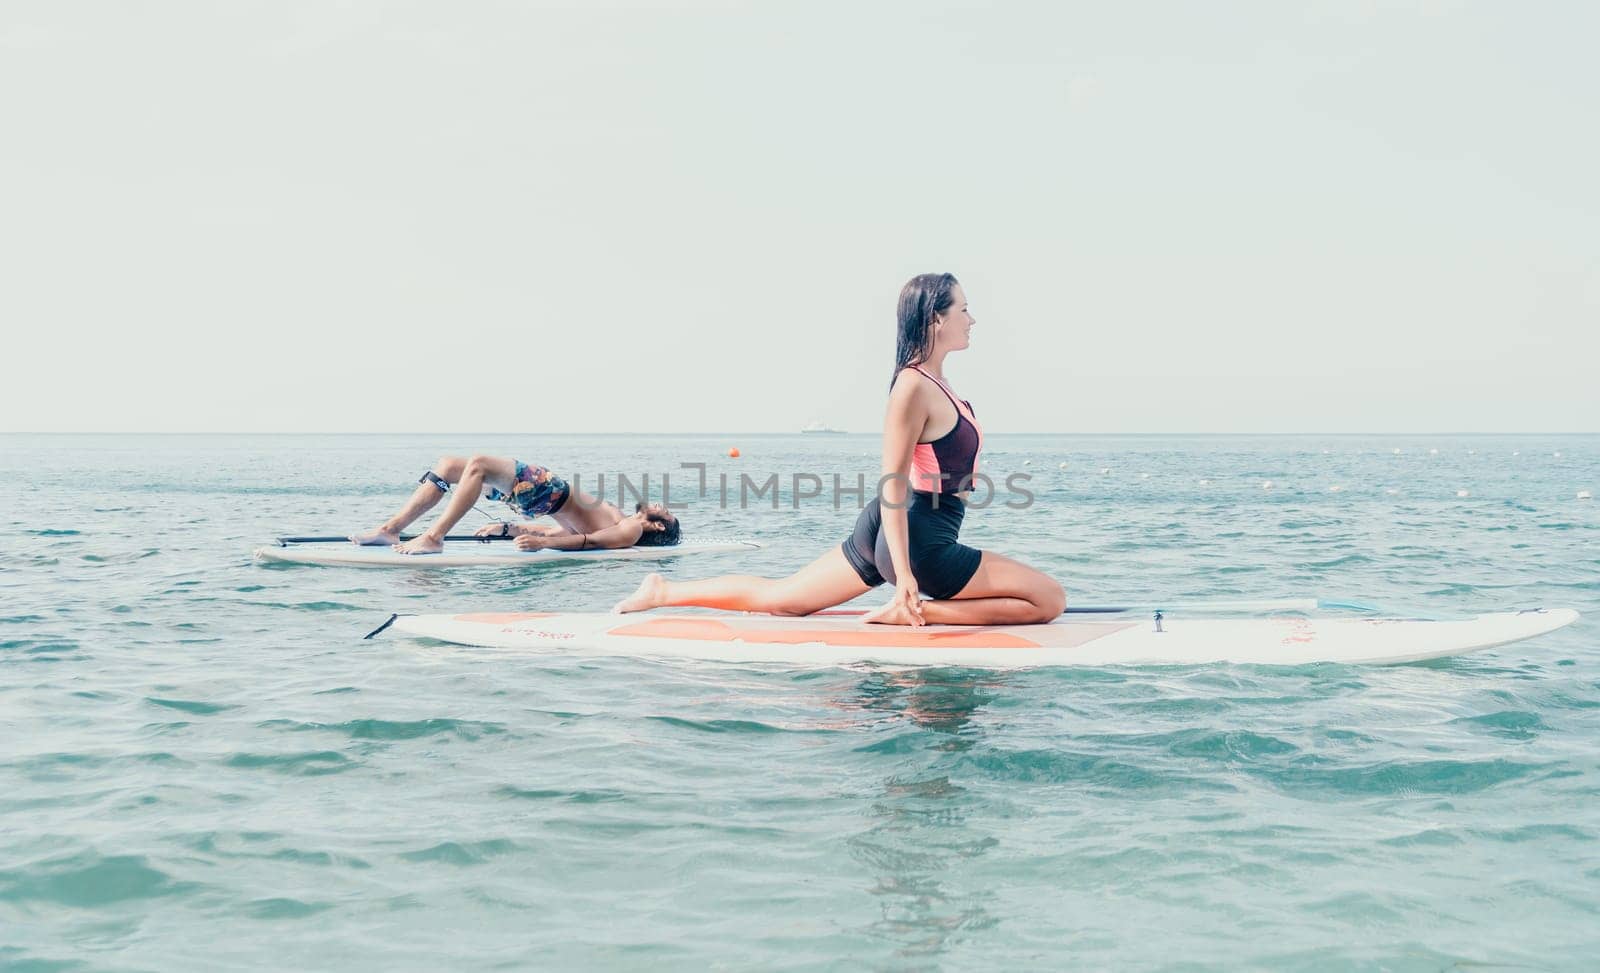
(1396, 450)
(1516, 452)
(1336, 488)
(1585, 495)
(1391, 491)
(1205, 482)
(1433, 452)
(1027, 462)
(1463, 493)
(1267, 485)
(1558, 454)
(1104, 470)
(1326, 452)
(1472, 452)
(1062, 466)
(1144, 476)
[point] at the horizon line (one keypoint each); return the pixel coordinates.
(230, 432)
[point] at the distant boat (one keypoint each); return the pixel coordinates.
(815, 426)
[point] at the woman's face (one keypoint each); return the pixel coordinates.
(953, 325)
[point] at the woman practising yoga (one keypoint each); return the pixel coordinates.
(532, 491)
(930, 442)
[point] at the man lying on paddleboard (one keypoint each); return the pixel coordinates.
(586, 523)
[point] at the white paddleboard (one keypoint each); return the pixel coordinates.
(460, 554)
(841, 638)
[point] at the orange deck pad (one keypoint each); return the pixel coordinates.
(713, 630)
(501, 618)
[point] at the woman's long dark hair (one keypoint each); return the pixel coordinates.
(923, 298)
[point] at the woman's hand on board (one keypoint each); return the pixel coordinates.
(905, 608)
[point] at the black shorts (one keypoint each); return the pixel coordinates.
(941, 563)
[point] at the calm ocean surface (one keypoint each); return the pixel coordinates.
(204, 767)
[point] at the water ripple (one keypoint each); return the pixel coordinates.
(90, 880)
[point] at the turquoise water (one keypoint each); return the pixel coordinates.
(204, 767)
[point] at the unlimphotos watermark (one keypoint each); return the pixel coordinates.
(745, 491)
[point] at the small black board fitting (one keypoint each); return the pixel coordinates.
(380, 628)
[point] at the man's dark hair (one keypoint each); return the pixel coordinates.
(660, 538)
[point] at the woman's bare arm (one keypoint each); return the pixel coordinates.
(902, 427)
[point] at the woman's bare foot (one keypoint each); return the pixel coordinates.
(650, 594)
(891, 613)
(421, 544)
(380, 536)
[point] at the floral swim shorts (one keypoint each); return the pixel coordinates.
(535, 491)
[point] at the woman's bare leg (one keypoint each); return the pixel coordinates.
(497, 471)
(825, 582)
(1002, 592)
(423, 498)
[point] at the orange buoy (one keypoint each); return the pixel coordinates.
(733, 452)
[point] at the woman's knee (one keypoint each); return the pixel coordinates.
(778, 601)
(794, 595)
(1050, 599)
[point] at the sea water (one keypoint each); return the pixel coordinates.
(204, 767)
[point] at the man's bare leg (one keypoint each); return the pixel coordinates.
(448, 469)
(497, 471)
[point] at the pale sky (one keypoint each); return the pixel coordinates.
(685, 217)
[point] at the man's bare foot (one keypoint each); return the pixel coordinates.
(420, 544)
(891, 613)
(379, 536)
(650, 594)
